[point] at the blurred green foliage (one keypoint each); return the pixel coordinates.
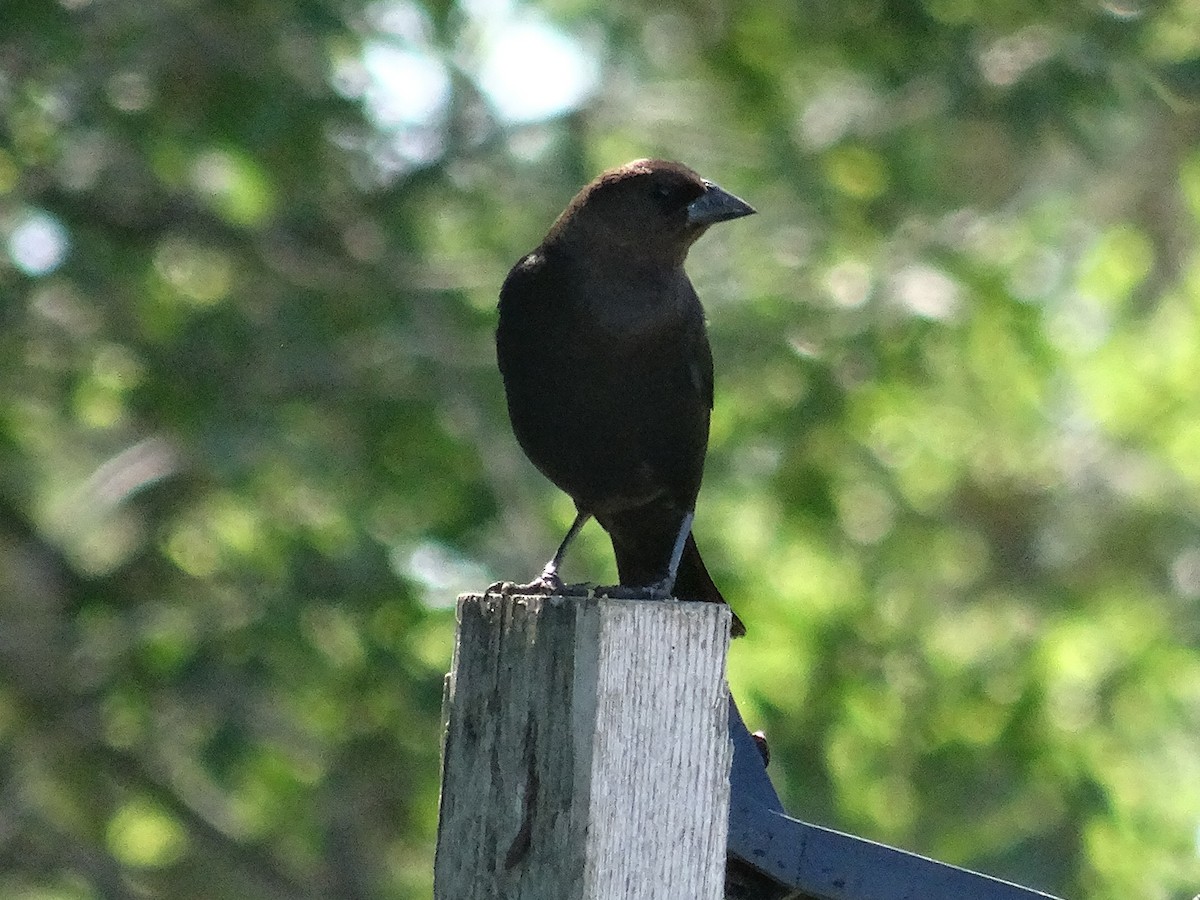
(252, 441)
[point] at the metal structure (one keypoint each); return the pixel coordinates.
(772, 856)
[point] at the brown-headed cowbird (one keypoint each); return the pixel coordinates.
(608, 373)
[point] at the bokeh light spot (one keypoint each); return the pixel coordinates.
(404, 87)
(857, 171)
(38, 243)
(234, 185)
(200, 274)
(926, 291)
(532, 71)
(143, 835)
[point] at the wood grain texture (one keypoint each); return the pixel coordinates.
(587, 751)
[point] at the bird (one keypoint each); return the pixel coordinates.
(603, 350)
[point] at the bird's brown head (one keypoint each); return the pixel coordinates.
(649, 208)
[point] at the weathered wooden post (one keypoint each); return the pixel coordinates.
(587, 751)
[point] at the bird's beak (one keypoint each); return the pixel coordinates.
(716, 205)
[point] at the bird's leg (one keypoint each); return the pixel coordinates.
(685, 528)
(550, 572)
(548, 582)
(664, 588)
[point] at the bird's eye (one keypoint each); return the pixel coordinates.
(663, 192)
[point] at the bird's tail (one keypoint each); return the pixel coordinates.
(694, 583)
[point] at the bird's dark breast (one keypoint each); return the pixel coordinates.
(615, 422)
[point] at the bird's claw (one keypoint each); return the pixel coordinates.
(659, 590)
(546, 584)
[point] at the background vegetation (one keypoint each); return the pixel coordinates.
(252, 440)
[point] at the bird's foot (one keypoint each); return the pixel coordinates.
(546, 584)
(659, 590)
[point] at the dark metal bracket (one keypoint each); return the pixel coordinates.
(775, 857)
